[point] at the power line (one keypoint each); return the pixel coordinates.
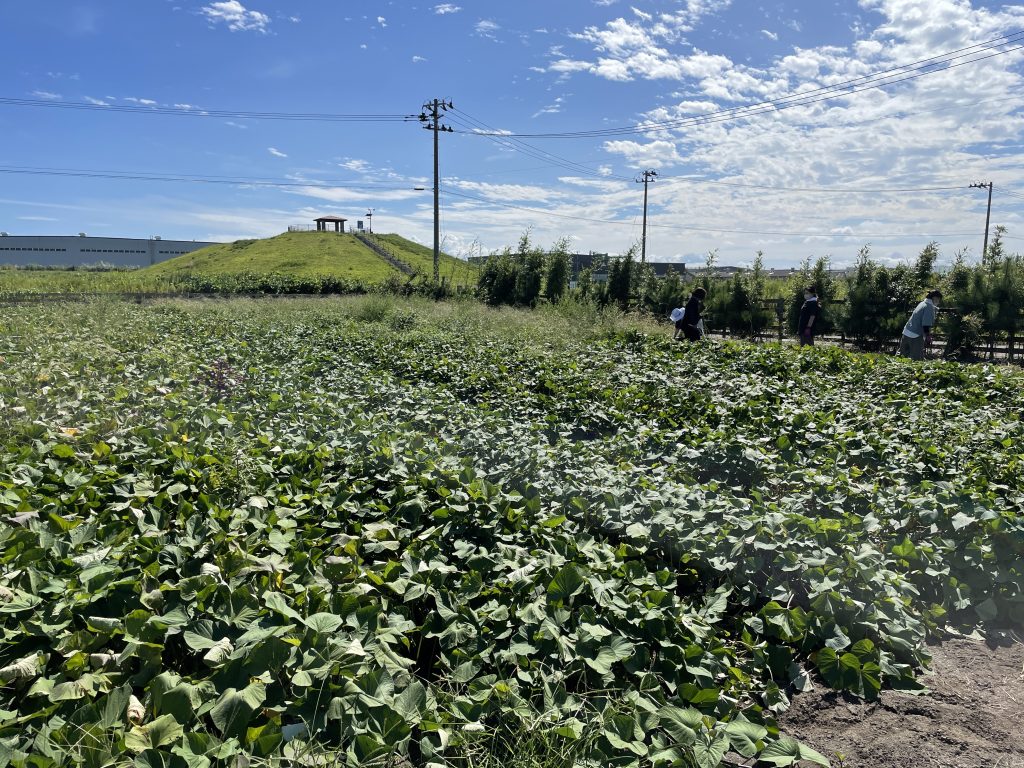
(816, 190)
(156, 176)
(353, 184)
(891, 76)
(680, 227)
(156, 109)
(479, 128)
(901, 115)
(556, 160)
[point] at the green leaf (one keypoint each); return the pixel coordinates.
(987, 610)
(567, 583)
(234, 709)
(27, 668)
(412, 702)
(63, 451)
(961, 521)
(708, 752)
(275, 601)
(164, 730)
(746, 738)
(366, 748)
(325, 623)
(219, 654)
(681, 725)
(838, 671)
(787, 751)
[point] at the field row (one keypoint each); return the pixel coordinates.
(363, 528)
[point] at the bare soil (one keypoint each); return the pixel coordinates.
(973, 716)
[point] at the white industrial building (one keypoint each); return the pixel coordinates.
(65, 251)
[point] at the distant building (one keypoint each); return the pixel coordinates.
(69, 251)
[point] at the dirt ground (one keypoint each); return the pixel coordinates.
(972, 718)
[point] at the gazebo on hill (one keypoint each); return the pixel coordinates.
(324, 222)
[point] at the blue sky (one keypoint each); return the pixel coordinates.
(823, 178)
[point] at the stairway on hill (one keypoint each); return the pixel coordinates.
(374, 245)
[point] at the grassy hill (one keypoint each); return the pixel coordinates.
(421, 258)
(300, 254)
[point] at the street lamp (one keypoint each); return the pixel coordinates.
(369, 219)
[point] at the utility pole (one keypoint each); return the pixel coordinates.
(431, 118)
(646, 178)
(988, 213)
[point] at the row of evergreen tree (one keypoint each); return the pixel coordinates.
(983, 302)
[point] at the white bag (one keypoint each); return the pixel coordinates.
(677, 314)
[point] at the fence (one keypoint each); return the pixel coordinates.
(1001, 347)
(385, 253)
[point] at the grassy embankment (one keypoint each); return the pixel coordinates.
(298, 254)
(299, 258)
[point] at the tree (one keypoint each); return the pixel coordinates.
(620, 279)
(558, 271)
(924, 268)
(515, 277)
(984, 300)
(757, 290)
(497, 281)
(666, 294)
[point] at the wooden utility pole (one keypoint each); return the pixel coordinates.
(646, 178)
(431, 118)
(988, 213)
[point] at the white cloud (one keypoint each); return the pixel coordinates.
(520, 192)
(931, 131)
(769, 34)
(276, 152)
(47, 96)
(418, 59)
(445, 8)
(652, 154)
(96, 102)
(486, 28)
(143, 102)
(358, 166)
(551, 109)
(382, 21)
(237, 17)
(361, 196)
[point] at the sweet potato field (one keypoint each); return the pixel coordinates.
(365, 532)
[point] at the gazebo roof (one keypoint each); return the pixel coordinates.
(330, 218)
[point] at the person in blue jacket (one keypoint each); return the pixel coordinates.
(917, 333)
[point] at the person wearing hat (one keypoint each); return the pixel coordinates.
(917, 333)
(808, 316)
(692, 321)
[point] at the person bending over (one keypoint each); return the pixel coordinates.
(917, 333)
